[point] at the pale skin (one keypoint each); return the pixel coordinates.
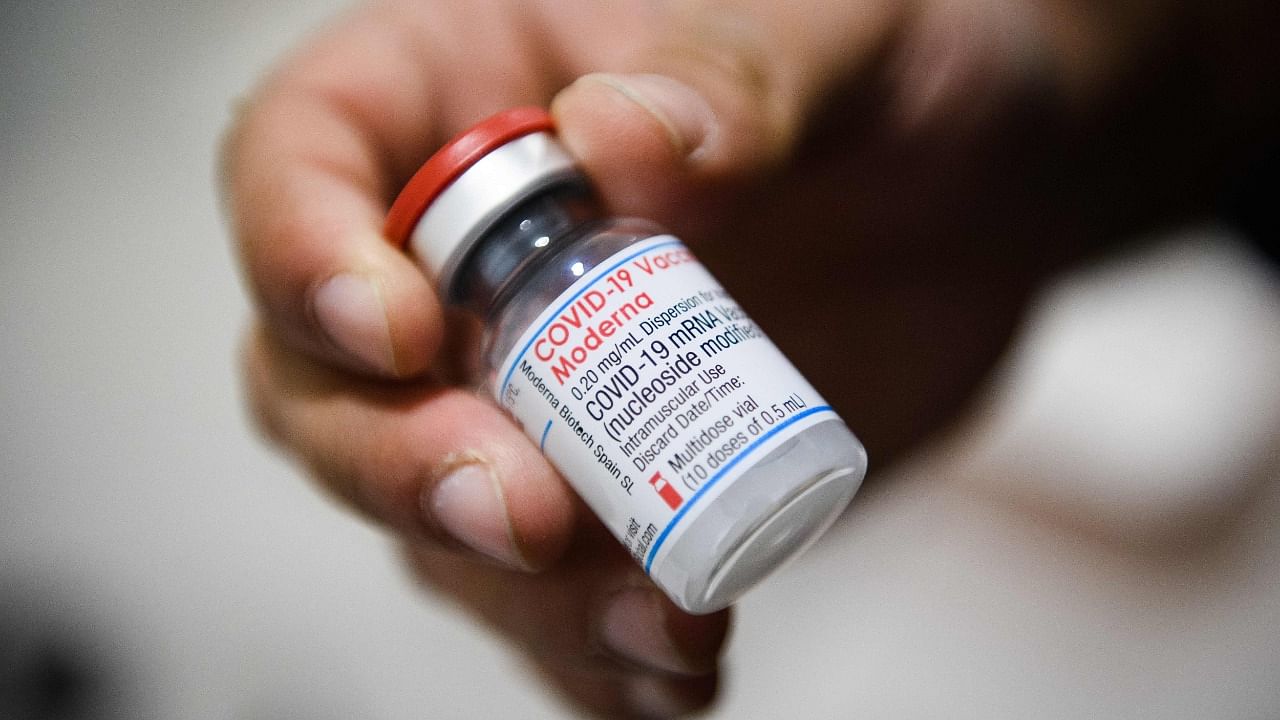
(882, 184)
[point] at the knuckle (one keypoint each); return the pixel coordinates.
(729, 56)
(730, 45)
(369, 483)
(378, 476)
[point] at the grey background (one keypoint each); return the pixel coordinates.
(1098, 539)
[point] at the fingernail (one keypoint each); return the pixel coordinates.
(349, 308)
(468, 504)
(687, 117)
(634, 627)
(652, 697)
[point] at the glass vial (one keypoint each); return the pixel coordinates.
(656, 397)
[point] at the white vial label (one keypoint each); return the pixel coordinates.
(651, 391)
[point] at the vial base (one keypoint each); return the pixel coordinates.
(770, 515)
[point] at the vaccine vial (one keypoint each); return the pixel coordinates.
(668, 410)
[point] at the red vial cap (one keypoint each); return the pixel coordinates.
(455, 158)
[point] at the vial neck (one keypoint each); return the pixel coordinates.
(521, 240)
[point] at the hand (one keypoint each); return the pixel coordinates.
(880, 183)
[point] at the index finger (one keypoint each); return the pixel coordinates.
(308, 169)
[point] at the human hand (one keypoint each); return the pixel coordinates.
(860, 175)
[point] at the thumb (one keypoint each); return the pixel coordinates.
(712, 98)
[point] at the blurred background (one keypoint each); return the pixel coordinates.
(1099, 538)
